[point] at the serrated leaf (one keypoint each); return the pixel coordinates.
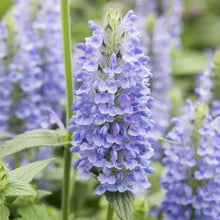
(18, 188)
(122, 203)
(4, 135)
(4, 212)
(33, 212)
(30, 139)
(42, 193)
(28, 172)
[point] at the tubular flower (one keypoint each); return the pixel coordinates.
(192, 177)
(160, 26)
(112, 125)
(37, 66)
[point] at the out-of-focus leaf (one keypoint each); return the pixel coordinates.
(33, 212)
(4, 6)
(188, 62)
(140, 209)
(216, 68)
(28, 172)
(4, 135)
(42, 193)
(164, 140)
(18, 188)
(202, 33)
(53, 213)
(4, 212)
(30, 139)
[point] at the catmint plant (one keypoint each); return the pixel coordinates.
(191, 177)
(112, 123)
(36, 67)
(160, 25)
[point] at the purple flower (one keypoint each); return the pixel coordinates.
(36, 70)
(112, 125)
(192, 178)
(207, 86)
(5, 83)
(160, 25)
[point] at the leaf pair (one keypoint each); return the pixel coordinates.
(18, 185)
(31, 139)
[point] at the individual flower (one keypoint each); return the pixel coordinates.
(112, 122)
(191, 177)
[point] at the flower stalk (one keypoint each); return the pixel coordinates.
(65, 18)
(110, 213)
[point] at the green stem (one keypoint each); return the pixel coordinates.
(110, 213)
(16, 160)
(65, 18)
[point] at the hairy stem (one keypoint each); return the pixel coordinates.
(110, 213)
(65, 18)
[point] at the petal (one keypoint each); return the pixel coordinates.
(100, 190)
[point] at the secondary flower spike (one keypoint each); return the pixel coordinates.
(192, 177)
(36, 69)
(160, 25)
(112, 124)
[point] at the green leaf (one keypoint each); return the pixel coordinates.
(202, 33)
(4, 7)
(4, 135)
(28, 172)
(33, 212)
(42, 193)
(54, 213)
(4, 213)
(18, 188)
(30, 139)
(122, 203)
(140, 208)
(164, 140)
(216, 68)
